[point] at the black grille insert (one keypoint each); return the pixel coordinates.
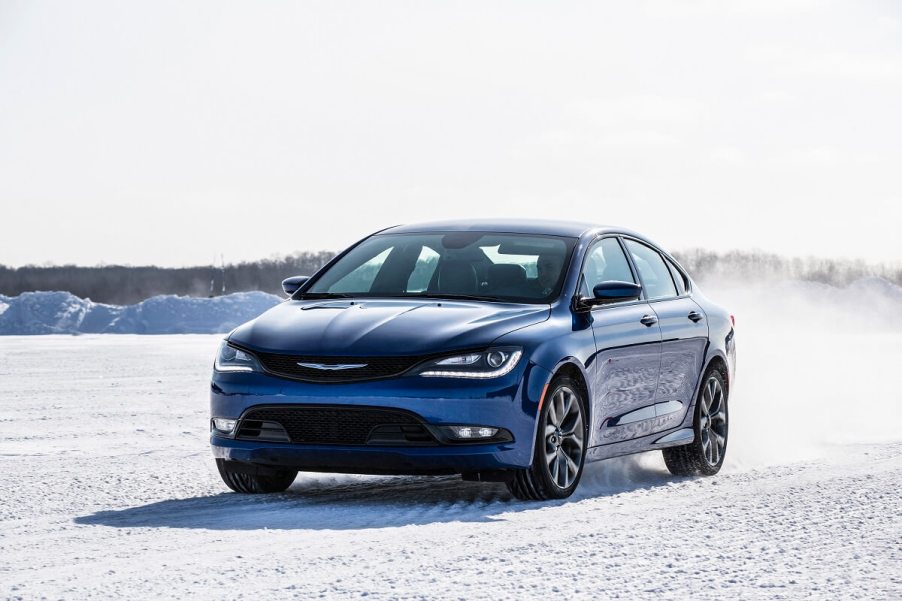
(371, 368)
(335, 425)
(253, 429)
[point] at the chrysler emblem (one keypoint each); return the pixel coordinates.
(332, 366)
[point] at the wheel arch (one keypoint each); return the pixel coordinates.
(720, 364)
(571, 368)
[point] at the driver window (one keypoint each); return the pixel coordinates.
(605, 262)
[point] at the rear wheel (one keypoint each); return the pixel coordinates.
(705, 454)
(560, 446)
(239, 481)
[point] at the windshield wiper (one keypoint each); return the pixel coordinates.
(319, 295)
(437, 295)
(453, 296)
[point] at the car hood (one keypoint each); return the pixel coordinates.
(383, 327)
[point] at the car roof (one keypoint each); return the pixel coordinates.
(574, 229)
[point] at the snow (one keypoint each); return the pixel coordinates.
(108, 486)
(869, 304)
(65, 313)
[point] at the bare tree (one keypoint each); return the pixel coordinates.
(119, 284)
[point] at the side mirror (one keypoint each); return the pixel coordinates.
(291, 285)
(614, 291)
(611, 291)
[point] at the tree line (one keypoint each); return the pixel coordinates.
(124, 285)
(751, 266)
(121, 284)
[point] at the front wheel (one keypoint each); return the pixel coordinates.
(704, 455)
(560, 446)
(239, 481)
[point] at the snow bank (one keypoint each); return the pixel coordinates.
(65, 313)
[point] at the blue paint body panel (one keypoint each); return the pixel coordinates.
(642, 381)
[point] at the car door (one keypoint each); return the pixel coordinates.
(684, 333)
(628, 351)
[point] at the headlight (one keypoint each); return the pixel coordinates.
(492, 363)
(230, 358)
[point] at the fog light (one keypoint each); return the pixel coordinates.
(224, 425)
(471, 432)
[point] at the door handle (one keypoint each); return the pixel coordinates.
(648, 320)
(695, 316)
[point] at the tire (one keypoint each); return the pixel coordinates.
(562, 437)
(278, 481)
(705, 454)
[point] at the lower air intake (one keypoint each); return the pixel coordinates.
(334, 425)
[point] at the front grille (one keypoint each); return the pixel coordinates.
(334, 425)
(372, 368)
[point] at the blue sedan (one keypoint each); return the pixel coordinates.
(507, 351)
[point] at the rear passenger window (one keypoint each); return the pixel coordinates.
(678, 278)
(653, 272)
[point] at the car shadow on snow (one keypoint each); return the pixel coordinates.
(373, 502)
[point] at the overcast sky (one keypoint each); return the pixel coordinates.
(171, 132)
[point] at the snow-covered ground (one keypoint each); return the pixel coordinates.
(108, 488)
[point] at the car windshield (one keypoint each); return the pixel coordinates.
(469, 265)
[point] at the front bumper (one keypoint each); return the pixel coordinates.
(510, 402)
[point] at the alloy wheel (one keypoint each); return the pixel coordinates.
(564, 437)
(713, 421)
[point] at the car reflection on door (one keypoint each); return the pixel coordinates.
(626, 372)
